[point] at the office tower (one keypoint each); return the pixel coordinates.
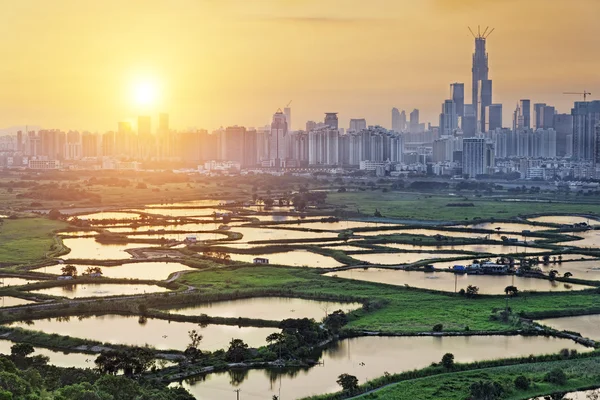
(288, 117)
(563, 125)
(480, 68)
(478, 155)
(538, 115)
(457, 91)
(277, 136)
(484, 99)
(414, 121)
(493, 117)
(403, 121)
(448, 118)
(331, 120)
(469, 121)
(547, 117)
(357, 124)
(396, 126)
(525, 116)
(250, 150)
(586, 114)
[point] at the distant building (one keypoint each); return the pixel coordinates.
(478, 155)
(260, 260)
(448, 118)
(493, 117)
(331, 120)
(586, 114)
(457, 91)
(279, 131)
(398, 120)
(44, 164)
(357, 125)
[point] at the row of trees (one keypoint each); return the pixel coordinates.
(71, 270)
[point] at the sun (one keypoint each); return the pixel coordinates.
(145, 93)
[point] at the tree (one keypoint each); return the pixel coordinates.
(195, 338)
(54, 214)
(511, 290)
(69, 270)
(567, 275)
(21, 350)
(552, 274)
(349, 383)
(276, 338)
(93, 270)
(448, 361)
(472, 291)
(336, 320)
(237, 351)
(557, 376)
(522, 382)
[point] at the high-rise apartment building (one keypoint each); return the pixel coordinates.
(586, 114)
(277, 138)
(396, 126)
(563, 125)
(287, 111)
(478, 155)
(357, 125)
(414, 121)
(448, 118)
(493, 117)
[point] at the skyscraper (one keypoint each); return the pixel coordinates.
(480, 68)
(331, 120)
(448, 118)
(288, 117)
(484, 99)
(396, 120)
(563, 125)
(493, 117)
(277, 137)
(525, 107)
(586, 114)
(458, 96)
(478, 155)
(414, 121)
(357, 125)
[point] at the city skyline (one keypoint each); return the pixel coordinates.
(86, 82)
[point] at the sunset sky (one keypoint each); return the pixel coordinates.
(73, 64)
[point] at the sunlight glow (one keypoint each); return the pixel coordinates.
(145, 93)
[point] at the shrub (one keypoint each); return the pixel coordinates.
(448, 360)
(438, 328)
(522, 382)
(557, 376)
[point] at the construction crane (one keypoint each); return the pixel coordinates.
(288, 104)
(585, 94)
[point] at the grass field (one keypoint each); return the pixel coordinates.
(26, 240)
(408, 310)
(456, 386)
(434, 207)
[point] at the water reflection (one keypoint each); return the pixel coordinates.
(143, 270)
(448, 282)
(161, 334)
(269, 308)
(586, 325)
(76, 290)
(296, 258)
(89, 248)
(368, 358)
(402, 258)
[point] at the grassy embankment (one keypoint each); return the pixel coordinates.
(28, 240)
(407, 310)
(434, 207)
(582, 373)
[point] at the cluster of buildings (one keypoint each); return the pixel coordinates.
(470, 140)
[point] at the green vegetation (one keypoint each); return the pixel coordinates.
(398, 312)
(26, 240)
(434, 206)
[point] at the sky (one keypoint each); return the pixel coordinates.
(72, 64)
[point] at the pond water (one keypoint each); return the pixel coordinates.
(296, 258)
(274, 217)
(89, 248)
(211, 225)
(565, 220)
(586, 325)
(9, 301)
(444, 281)
(75, 234)
(340, 225)
(368, 358)
(161, 334)
(191, 203)
(588, 239)
(583, 395)
(184, 212)
(73, 291)
(58, 358)
(269, 308)
(101, 216)
(587, 270)
(243, 245)
(345, 248)
(476, 248)
(144, 270)
(459, 234)
(508, 227)
(200, 236)
(12, 281)
(255, 234)
(402, 258)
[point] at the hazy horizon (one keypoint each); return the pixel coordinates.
(234, 62)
